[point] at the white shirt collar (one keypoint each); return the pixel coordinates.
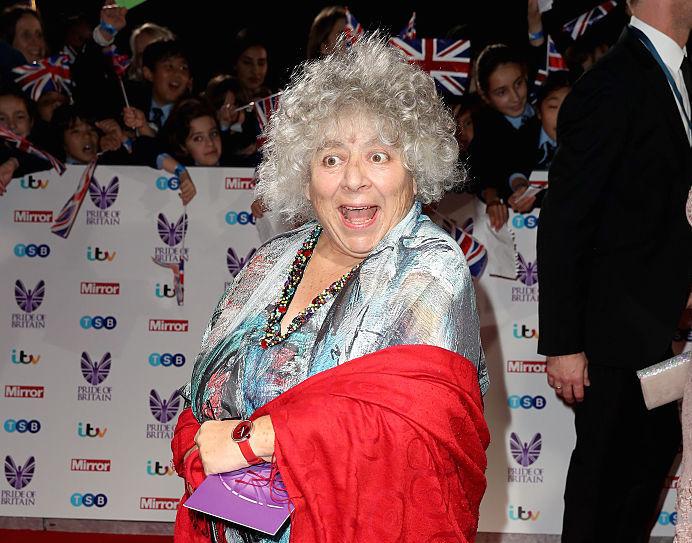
(671, 53)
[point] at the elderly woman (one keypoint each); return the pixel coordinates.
(352, 343)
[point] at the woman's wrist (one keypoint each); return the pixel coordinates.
(262, 437)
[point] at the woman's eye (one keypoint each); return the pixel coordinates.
(379, 158)
(331, 161)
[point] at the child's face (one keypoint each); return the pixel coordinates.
(464, 133)
(14, 115)
(81, 142)
(203, 142)
(48, 103)
(170, 80)
(28, 38)
(251, 68)
(507, 89)
(549, 108)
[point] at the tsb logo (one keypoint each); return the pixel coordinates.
(166, 291)
(24, 358)
(666, 518)
(22, 426)
(524, 332)
(99, 255)
(31, 250)
(97, 322)
(519, 513)
(166, 183)
(167, 359)
(525, 221)
(88, 500)
(32, 183)
(526, 402)
(242, 217)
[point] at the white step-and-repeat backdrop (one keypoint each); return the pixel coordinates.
(93, 345)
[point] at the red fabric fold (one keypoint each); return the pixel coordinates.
(387, 447)
(190, 526)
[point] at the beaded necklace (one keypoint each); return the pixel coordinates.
(272, 332)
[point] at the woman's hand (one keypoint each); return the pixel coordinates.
(219, 453)
(187, 188)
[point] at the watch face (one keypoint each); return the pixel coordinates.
(242, 431)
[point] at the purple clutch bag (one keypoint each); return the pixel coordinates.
(254, 497)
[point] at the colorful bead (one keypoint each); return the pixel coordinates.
(272, 332)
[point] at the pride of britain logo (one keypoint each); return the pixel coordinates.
(236, 262)
(18, 477)
(95, 373)
(29, 300)
(525, 454)
(171, 232)
(164, 411)
(103, 197)
(527, 275)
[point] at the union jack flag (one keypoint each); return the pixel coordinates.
(409, 31)
(475, 252)
(178, 269)
(353, 29)
(120, 62)
(554, 62)
(48, 74)
(265, 107)
(26, 146)
(447, 61)
(577, 27)
(68, 214)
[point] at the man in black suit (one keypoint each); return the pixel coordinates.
(614, 262)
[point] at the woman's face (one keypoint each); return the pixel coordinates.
(28, 38)
(81, 142)
(14, 115)
(507, 89)
(359, 187)
(203, 142)
(251, 68)
(329, 42)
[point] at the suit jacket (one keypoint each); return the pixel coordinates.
(614, 245)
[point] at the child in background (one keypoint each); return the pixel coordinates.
(192, 134)
(550, 98)
(141, 37)
(167, 71)
(17, 113)
(78, 140)
(238, 146)
(325, 31)
(506, 128)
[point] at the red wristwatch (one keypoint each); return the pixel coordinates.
(241, 435)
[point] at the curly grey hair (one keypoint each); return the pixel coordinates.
(369, 77)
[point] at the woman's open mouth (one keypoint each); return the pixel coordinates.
(358, 216)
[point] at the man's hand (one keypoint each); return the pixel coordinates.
(568, 375)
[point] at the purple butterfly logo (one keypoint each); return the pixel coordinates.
(236, 263)
(95, 373)
(172, 233)
(103, 197)
(29, 300)
(525, 453)
(164, 410)
(19, 476)
(527, 272)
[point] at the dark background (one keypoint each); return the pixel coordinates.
(209, 26)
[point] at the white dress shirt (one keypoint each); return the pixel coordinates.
(672, 55)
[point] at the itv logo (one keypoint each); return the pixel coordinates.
(24, 357)
(90, 431)
(519, 513)
(99, 255)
